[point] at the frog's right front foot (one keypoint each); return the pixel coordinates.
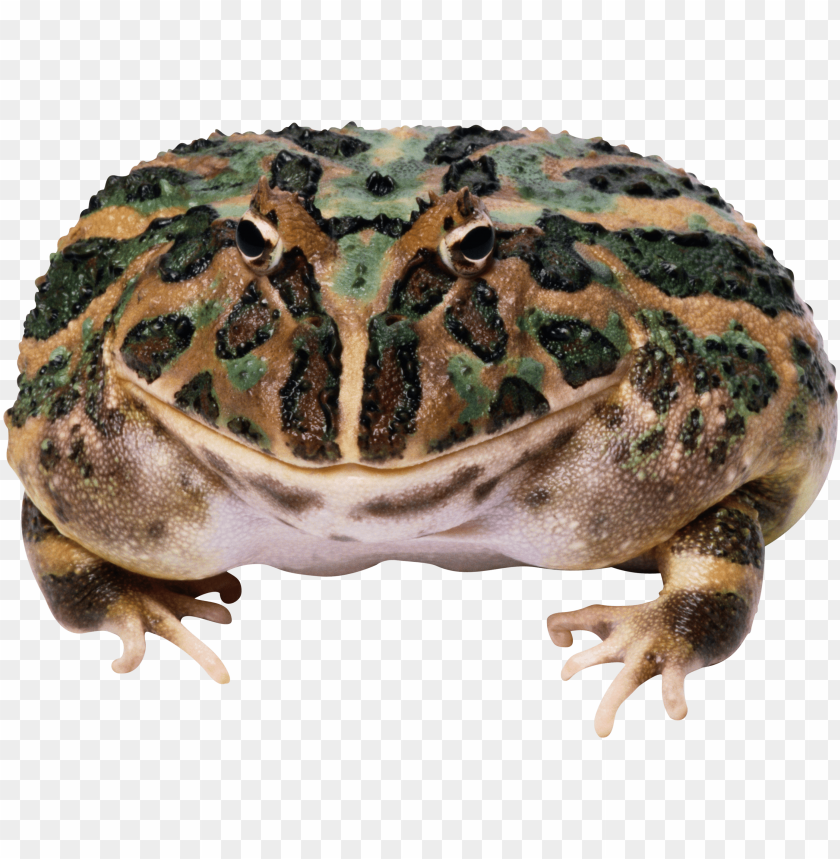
(87, 594)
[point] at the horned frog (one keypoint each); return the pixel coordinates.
(321, 349)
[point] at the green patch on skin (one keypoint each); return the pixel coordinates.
(154, 345)
(697, 222)
(84, 270)
(245, 372)
(602, 273)
(349, 195)
(531, 371)
(644, 449)
(204, 312)
(49, 392)
(249, 431)
(465, 374)
(732, 358)
(681, 265)
(582, 351)
(128, 292)
(523, 165)
(360, 275)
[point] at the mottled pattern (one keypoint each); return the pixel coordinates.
(323, 349)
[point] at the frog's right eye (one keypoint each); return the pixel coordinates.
(259, 243)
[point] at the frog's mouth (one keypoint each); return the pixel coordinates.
(488, 454)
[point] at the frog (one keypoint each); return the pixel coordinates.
(318, 350)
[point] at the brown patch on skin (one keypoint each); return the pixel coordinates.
(772, 497)
(219, 465)
(631, 212)
(558, 442)
(289, 499)
(117, 222)
(342, 538)
(296, 226)
(34, 524)
(714, 623)
(723, 532)
(537, 498)
(156, 530)
(422, 499)
(206, 166)
(610, 414)
(484, 489)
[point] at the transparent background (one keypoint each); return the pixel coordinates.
(407, 711)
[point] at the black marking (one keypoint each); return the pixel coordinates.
(327, 144)
(246, 429)
(537, 498)
(516, 398)
(85, 269)
(198, 396)
(813, 378)
(379, 185)
(692, 430)
(295, 282)
(291, 171)
(153, 344)
(200, 145)
(249, 324)
(458, 433)
(553, 261)
(138, 186)
(638, 181)
(460, 142)
(681, 265)
(35, 526)
(473, 320)
(714, 623)
(479, 176)
(309, 397)
(422, 286)
(391, 390)
(192, 255)
(581, 351)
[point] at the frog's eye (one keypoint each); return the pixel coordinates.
(259, 243)
(467, 250)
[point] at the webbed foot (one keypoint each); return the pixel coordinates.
(86, 593)
(712, 574)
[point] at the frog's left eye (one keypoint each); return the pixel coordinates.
(467, 250)
(259, 243)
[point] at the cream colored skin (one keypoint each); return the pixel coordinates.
(550, 492)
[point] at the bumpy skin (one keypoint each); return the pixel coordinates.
(627, 379)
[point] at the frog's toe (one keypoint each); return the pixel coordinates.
(87, 593)
(600, 619)
(160, 610)
(635, 636)
(133, 637)
(226, 585)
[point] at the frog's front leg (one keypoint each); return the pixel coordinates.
(712, 571)
(86, 593)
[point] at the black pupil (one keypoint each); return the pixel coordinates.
(249, 239)
(477, 243)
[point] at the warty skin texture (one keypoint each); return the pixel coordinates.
(559, 354)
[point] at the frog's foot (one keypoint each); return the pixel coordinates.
(86, 593)
(712, 571)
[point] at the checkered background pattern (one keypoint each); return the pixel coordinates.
(408, 711)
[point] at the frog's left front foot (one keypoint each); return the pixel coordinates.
(87, 593)
(712, 574)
